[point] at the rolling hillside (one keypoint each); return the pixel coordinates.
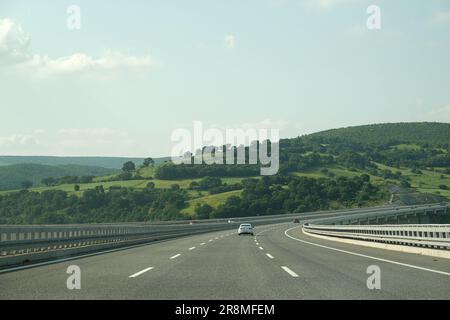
(389, 133)
(355, 166)
(12, 176)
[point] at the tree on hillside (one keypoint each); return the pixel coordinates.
(26, 184)
(128, 166)
(148, 162)
(203, 211)
(49, 181)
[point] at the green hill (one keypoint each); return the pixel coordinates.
(339, 168)
(12, 176)
(433, 133)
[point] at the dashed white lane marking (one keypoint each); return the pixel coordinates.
(216, 238)
(202, 244)
(365, 256)
(140, 272)
(191, 248)
(175, 256)
(292, 273)
(257, 243)
(210, 240)
(261, 248)
(269, 255)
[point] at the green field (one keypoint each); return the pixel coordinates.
(428, 181)
(213, 200)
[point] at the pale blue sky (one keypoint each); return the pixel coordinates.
(137, 70)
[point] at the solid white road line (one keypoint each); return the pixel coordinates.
(175, 256)
(140, 272)
(261, 248)
(269, 255)
(292, 273)
(191, 248)
(365, 256)
(202, 244)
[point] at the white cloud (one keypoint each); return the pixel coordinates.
(80, 62)
(441, 17)
(230, 41)
(13, 42)
(14, 53)
(18, 140)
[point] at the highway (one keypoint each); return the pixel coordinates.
(279, 262)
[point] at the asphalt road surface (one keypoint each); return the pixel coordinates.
(279, 262)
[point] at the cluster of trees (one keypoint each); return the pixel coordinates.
(283, 194)
(93, 206)
(66, 180)
(129, 171)
(171, 171)
(213, 185)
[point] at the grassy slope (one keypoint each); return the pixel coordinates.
(428, 181)
(11, 176)
(213, 200)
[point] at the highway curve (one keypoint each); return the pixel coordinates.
(278, 263)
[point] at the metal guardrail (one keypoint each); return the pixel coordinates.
(423, 235)
(389, 213)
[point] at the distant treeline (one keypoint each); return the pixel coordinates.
(66, 180)
(189, 171)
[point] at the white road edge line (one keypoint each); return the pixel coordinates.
(292, 273)
(365, 256)
(175, 256)
(269, 255)
(140, 272)
(191, 248)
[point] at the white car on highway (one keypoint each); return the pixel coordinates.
(245, 228)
